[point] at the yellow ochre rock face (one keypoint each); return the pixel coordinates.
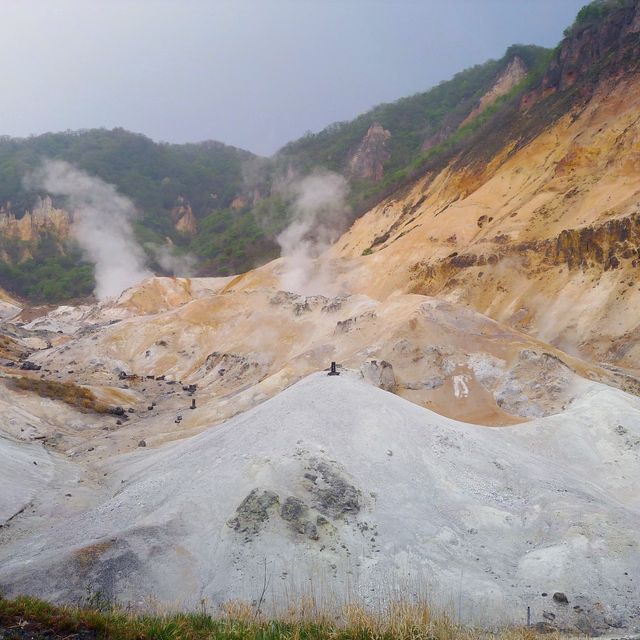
(545, 238)
(44, 218)
(487, 293)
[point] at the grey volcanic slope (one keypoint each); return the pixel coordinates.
(25, 469)
(336, 487)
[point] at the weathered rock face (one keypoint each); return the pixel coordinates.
(599, 247)
(510, 76)
(239, 202)
(515, 72)
(616, 36)
(183, 218)
(612, 40)
(379, 374)
(368, 159)
(606, 244)
(29, 229)
(254, 511)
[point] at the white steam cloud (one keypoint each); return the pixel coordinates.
(320, 216)
(171, 261)
(101, 225)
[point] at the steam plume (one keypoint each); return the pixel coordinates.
(320, 216)
(183, 264)
(101, 225)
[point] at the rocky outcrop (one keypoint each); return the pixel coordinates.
(379, 374)
(369, 158)
(614, 37)
(608, 41)
(254, 511)
(239, 202)
(514, 73)
(44, 217)
(510, 76)
(230, 364)
(330, 499)
(605, 245)
(614, 244)
(183, 218)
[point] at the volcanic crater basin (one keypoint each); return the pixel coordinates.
(336, 489)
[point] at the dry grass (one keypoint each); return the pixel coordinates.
(10, 349)
(68, 392)
(240, 621)
(87, 556)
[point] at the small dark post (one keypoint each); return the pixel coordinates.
(193, 403)
(528, 616)
(333, 371)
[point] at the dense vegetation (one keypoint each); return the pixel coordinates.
(430, 117)
(233, 194)
(49, 277)
(152, 174)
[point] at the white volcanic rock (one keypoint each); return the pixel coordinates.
(340, 489)
(9, 308)
(25, 469)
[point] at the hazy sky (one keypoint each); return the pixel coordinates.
(252, 73)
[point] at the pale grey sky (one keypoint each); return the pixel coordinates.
(252, 73)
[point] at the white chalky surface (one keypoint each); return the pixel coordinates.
(482, 521)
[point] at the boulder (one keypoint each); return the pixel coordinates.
(380, 374)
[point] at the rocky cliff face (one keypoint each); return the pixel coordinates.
(509, 78)
(45, 218)
(514, 73)
(183, 218)
(368, 159)
(605, 246)
(612, 39)
(592, 49)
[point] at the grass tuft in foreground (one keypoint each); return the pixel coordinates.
(237, 621)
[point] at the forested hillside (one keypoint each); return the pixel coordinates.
(422, 126)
